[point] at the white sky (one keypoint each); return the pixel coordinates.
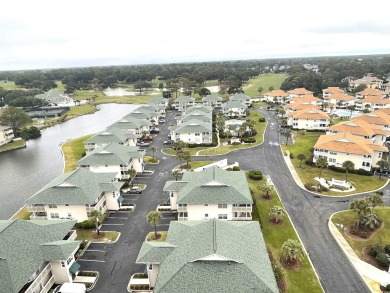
(53, 34)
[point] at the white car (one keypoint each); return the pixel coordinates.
(70, 288)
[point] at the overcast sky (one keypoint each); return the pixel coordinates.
(52, 34)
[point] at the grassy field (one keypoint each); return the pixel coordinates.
(264, 81)
(303, 280)
(9, 85)
(22, 214)
(73, 151)
(100, 98)
(60, 87)
(109, 236)
(303, 145)
(381, 238)
(11, 145)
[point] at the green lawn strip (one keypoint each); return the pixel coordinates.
(162, 238)
(9, 85)
(22, 214)
(264, 81)
(11, 145)
(381, 238)
(109, 236)
(73, 151)
(304, 145)
(198, 164)
(303, 280)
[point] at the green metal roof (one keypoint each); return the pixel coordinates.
(111, 154)
(77, 187)
(211, 98)
(58, 250)
(212, 186)
(193, 126)
(21, 249)
(130, 123)
(198, 108)
(197, 115)
(239, 97)
(111, 135)
(212, 256)
(233, 104)
(183, 99)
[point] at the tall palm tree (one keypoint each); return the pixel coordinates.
(287, 135)
(360, 206)
(276, 214)
(153, 218)
(375, 199)
(348, 166)
(292, 251)
(176, 174)
(321, 163)
(370, 221)
(153, 149)
(95, 217)
(267, 189)
(132, 173)
(301, 157)
(382, 165)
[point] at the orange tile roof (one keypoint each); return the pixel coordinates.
(347, 143)
(386, 111)
(333, 90)
(310, 114)
(299, 106)
(359, 127)
(376, 117)
(371, 92)
(306, 98)
(340, 97)
(374, 100)
(277, 93)
(300, 91)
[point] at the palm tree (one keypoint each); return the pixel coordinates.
(153, 218)
(95, 217)
(321, 163)
(301, 157)
(383, 164)
(370, 221)
(187, 157)
(287, 136)
(282, 112)
(348, 166)
(180, 156)
(276, 214)
(267, 189)
(153, 149)
(292, 251)
(375, 199)
(176, 174)
(132, 173)
(360, 206)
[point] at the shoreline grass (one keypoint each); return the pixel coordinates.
(73, 151)
(16, 144)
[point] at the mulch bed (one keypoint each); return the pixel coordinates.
(292, 266)
(369, 259)
(358, 238)
(273, 223)
(267, 198)
(282, 286)
(100, 236)
(153, 237)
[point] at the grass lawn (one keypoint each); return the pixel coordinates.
(304, 144)
(381, 238)
(60, 87)
(264, 81)
(100, 98)
(162, 238)
(109, 236)
(303, 280)
(11, 145)
(73, 151)
(149, 159)
(81, 110)
(9, 85)
(22, 214)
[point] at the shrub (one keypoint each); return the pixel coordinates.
(229, 169)
(388, 287)
(262, 119)
(278, 271)
(311, 186)
(236, 168)
(235, 143)
(255, 175)
(291, 156)
(249, 140)
(382, 259)
(323, 188)
(87, 224)
(387, 249)
(373, 251)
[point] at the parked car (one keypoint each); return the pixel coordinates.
(169, 142)
(133, 190)
(143, 144)
(147, 138)
(161, 121)
(154, 131)
(70, 288)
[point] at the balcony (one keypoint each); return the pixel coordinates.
(242, 216)
(36, 208)
(182, 208)
(45, 278)
(242, 209)
(38, 216)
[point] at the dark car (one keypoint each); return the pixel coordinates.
(154, 131)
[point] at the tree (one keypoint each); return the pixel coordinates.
(204, 92)
(370, 221)
(282, 112)
(153, 149)
(153, 218)
(375, 199)
(321, 163)
(14, 118)
(267, 189)
(301, 157)
(271, 88)
(383, 164)
(179, 145)
(360, 206)
(95, 218)
(287, 135)
(132, 173)
(348, 166)
(276, 214)
(260, 89)
(220, 121)
(292, 251)
(180, 156)
(187, 158)
(176, 174)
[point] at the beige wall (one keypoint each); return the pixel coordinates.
(153, 273)
(308, 123)
(191, 138)
(78, 212)
(340, 158)
(197, 212)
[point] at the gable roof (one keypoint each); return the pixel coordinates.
(300, 106)
(233, 104)
(198, 108)
(130, 123)
(377, 117)
(211, 98)
(277, 93)
(371, 92)
(239, 97)
(111, 154)
(306, 99)
(333, 90)
(192, 126)
(347, 143)
(25, 245)
(212, 256)
(359, 127)
(53, 96)
(111, 135)
(184, 99)
(309, 114)
(212, 186)
(197, 115)
(374, 100)
(340, 97)
(300, 91)
(79, 187)
(158, 100)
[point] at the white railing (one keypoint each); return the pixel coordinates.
(33, 217)
(241, 218)
(48, 285)
(181, 209)
(242, 209)
(36, 208)
(182, 218)
(38, 280)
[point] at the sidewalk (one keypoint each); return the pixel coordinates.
(366, 271)
(292, 169)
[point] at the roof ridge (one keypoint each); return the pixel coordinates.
(214, 235)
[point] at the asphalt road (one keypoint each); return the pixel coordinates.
(308, 213)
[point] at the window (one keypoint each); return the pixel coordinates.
(69, 215)
(197, 134)
(52, 206)
(206, 215)
(332, 153)
(206, 204)
(222, 206)
(54, 216)
(332, 160)
(150, 267)
(222, 216)
(62, 264)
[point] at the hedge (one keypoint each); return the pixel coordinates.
(255, 175)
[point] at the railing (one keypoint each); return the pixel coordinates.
(242, 218)
(48, 285)
(242, 209)
(34, 217)
(181, 209)
(182, 218)
(41, 277)
(36, 208)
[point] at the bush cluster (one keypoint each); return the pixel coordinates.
(249, 140)
(255, 175)
(358, 171)
(382, 259)
(262, 119)
(87, 224)
(139, 287)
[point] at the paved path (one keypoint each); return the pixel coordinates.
(308, 213)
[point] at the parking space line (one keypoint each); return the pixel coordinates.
(91, 260)
(117, 217)
(113, 224)
(95, 250)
